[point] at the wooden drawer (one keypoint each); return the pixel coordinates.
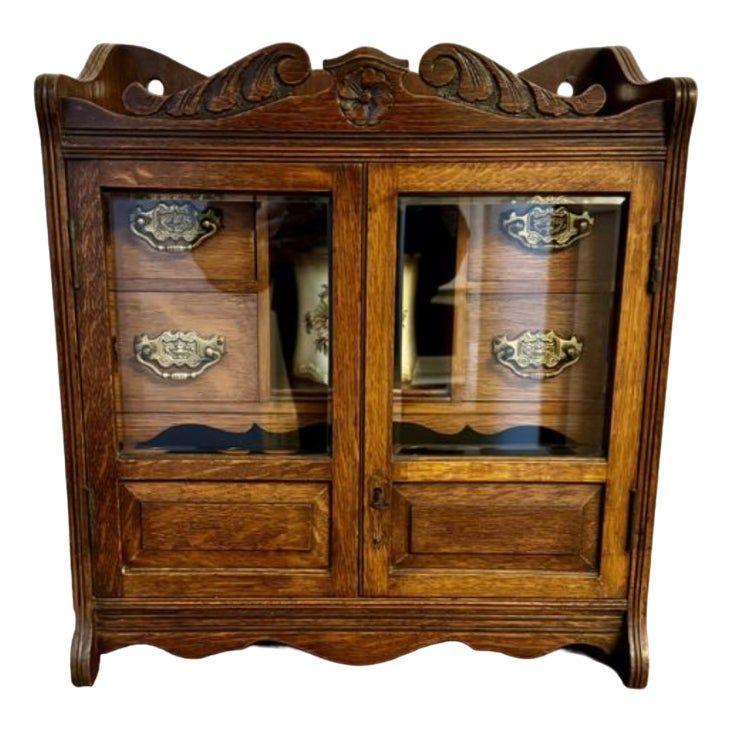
(501, 263)
(586, 317)
(496, 527)
(224, 261)
(232, 380)
(225, 525)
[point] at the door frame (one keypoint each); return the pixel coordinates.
(641, 181)
(105, 470)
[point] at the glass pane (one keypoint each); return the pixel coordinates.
(221, 310)
(504, 325)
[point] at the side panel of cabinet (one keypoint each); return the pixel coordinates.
(256, 521)
(480, 523)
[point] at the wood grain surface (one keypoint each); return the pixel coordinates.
(362, 555)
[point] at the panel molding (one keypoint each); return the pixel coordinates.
(214, 527)
(454, 528)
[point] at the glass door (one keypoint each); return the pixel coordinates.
(220, 375)
(505, 321)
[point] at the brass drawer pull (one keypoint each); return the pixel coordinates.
(547, 226)
(178, 355)
(174, 227)
(537, 354)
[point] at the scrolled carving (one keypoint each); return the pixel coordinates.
(364, 95)
(537, 354)
(462, 75)
(173, 226)
(547, 227)
(262, 77)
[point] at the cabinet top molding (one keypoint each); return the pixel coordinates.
(456, 90)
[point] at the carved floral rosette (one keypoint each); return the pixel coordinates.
(364, 95)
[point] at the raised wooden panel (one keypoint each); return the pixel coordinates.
(552, 527)
(225, 261)
(225, 525)
(234, 379)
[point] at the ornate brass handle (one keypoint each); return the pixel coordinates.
(537, 354)
(174, 227)
(178, 355)
(547, 226)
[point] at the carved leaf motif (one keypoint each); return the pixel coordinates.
(262, 77)
(463, 75)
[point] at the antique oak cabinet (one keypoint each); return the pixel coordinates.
(362, 359)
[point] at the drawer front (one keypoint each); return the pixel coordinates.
(493, 527)
(504, 256)
(211, 526)
(578, 324)
(149, 382)
(183, 244)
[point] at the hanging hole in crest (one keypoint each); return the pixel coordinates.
(565, 89)
(156, 86)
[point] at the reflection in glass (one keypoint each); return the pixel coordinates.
(503, 338)
(221, 310)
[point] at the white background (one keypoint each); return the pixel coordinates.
(447, 687)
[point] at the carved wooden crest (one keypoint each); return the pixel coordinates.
(455, 90)
(366, 82)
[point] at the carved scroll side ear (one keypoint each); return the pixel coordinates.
(462, 75)
(260, 78)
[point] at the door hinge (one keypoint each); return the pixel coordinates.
(74, 256)
(91, 520)
(655, 262)
(633, 501)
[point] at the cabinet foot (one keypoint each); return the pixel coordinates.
(631, 659)
(84, 654)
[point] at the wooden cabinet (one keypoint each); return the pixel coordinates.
(360, 359)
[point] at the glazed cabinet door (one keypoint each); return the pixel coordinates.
(506, 330)
(216, 305)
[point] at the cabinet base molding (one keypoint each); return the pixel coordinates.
(364, 632)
